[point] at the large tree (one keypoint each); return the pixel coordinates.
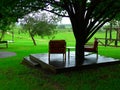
(87, 16)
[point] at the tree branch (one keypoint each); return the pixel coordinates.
(90, 9)
(100, 14)
(98, 26)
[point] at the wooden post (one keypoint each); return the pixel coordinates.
(116, 40)
(117, 34)
(106, 37)
(110, 31)
(116, 43)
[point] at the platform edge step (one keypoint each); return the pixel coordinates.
(29, 61)
(43, 64)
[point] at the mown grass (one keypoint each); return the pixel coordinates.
(16, 76)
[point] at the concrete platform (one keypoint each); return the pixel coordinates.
(57, 64)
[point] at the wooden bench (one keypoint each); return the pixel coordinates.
(57, 47)
(93, 49)
(4, 42)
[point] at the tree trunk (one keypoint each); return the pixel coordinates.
(12, 36)
(34, 42)
(79, 54)
(78, 29)
(3, 33)
(32, 37)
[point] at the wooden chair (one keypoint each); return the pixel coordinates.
(93, 49)
(57, 47)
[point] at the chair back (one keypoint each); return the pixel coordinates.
(57, 46)
(95, 44)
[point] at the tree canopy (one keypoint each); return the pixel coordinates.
(41, 24)
(86, 16)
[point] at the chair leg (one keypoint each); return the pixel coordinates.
(64, 57)
(49, 58)
(97, 55)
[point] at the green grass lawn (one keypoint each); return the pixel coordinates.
(16, 76)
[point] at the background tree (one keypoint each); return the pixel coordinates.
(117, 20)
(3, 30)
(5, 22)
(87, 16)
(39, 24)
(114, 23)
(7, 15)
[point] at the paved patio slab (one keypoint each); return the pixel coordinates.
(6, 54)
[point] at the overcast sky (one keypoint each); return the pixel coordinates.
(65, 20)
